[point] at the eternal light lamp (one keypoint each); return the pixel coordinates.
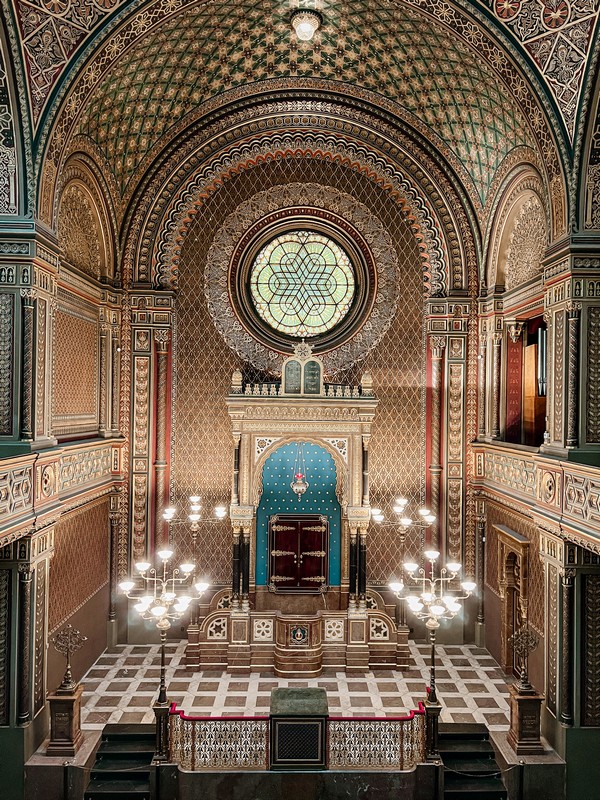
(305, 23)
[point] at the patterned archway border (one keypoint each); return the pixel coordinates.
(321, 199)
(381, 150)
(167, 252)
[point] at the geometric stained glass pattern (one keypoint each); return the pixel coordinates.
(302, 283)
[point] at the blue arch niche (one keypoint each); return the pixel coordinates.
(278, 498)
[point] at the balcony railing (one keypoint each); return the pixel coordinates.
(385, 743)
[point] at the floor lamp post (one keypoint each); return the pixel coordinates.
(162, 594)
(433, 597)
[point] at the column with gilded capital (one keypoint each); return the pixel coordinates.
(161, 339)
(28, 297)
(438, 345)
(103, 393)
(573, 332)
(496, 378)
(481, 395)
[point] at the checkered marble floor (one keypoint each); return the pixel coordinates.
(122, 685)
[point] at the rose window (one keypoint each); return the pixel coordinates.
(302, 283)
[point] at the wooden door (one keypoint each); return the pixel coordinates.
(298, 552)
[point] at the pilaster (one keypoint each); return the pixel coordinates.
(572, 304)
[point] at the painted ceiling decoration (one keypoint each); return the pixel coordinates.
(154, 71)
(557, 34)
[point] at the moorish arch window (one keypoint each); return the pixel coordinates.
(303, 277)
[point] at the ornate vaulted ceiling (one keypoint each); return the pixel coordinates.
(169, 61)
(556, 34)
(171, 70)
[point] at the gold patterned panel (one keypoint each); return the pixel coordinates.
(202, 448)
(75, 391)
(79, 567)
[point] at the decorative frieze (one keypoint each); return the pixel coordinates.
(16, 489)
(84, 467)
(511, 471)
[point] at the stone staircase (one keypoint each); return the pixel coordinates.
(122, 767)
(470, 768)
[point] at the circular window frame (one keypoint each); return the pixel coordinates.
(326, 224)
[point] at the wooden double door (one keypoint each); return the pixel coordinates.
(298, 552)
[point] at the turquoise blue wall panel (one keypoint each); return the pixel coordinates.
(278, 498)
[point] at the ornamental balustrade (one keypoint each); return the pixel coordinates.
(386, 743)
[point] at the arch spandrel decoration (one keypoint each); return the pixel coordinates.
(353, 138)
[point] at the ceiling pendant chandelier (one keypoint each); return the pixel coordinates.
(299, 485)
(305, 22)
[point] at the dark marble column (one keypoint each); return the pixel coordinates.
(566, 670)
(235, 564)
(24, 668)
(573, 323)
(353, 567)
(362, 569)
(245, 566)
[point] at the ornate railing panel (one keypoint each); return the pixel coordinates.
(197, 743)
(377, 743)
